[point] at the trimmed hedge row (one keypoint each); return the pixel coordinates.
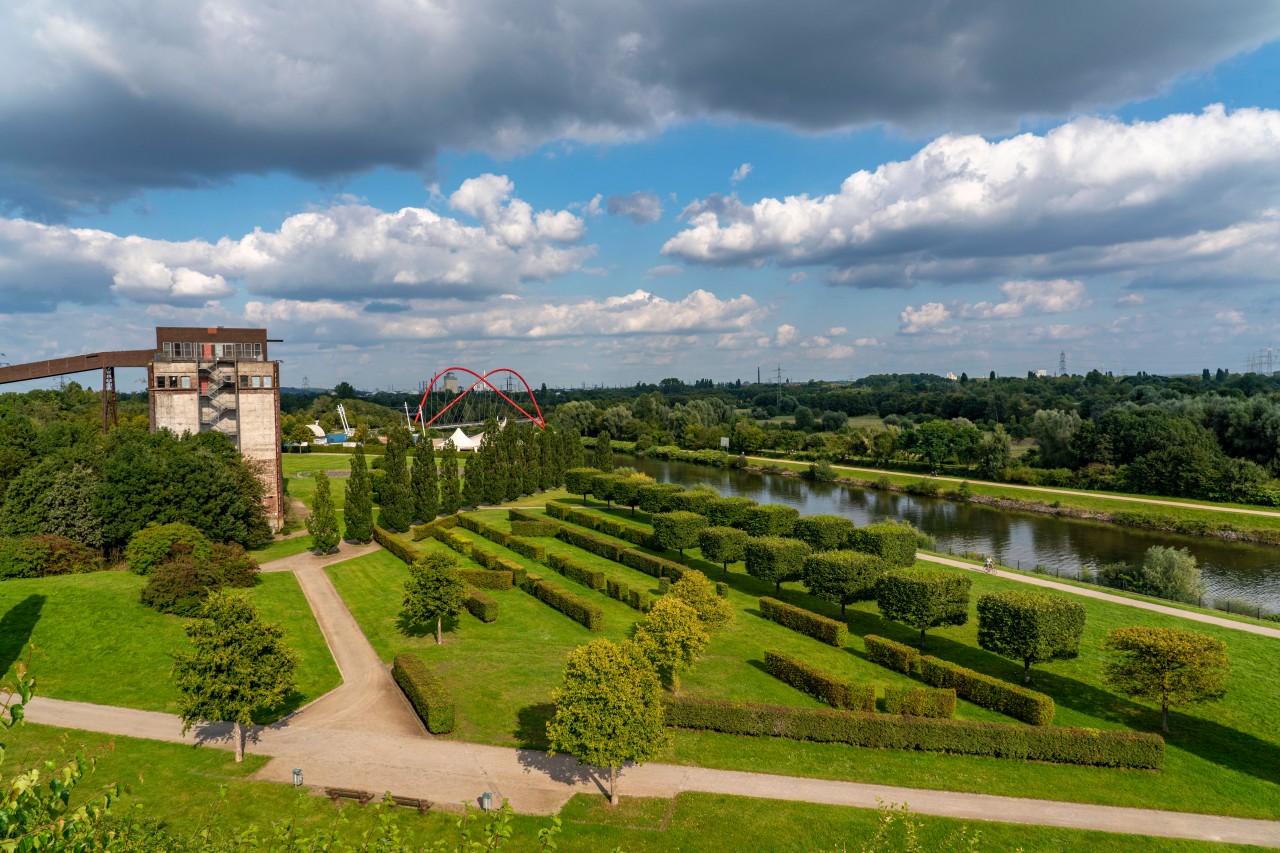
(964, 737)
(590, 544)
(534, 528)
(425, 531)
(804, 621)
(406, 554)
(575, 571)
(836, 692)
(894, 543)
(490, 560)
(480, 605)
(891, 654)
(486, 579)
(425, 692)
(580, 611)
(637, 599)
(525, 548)
(657, 567)
(1011, 699)
(920, 701)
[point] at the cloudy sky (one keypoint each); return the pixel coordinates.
(609, 191)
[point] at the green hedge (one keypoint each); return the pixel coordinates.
(775, 559)
(694, 500)
(580, 611)
(657, 497)
(894, 543)
(890, 654)
(532, 550)
(427, 531)
(487, 579)
(723, 512)
(480, 605)
(658, 567)
(805, 622)
(823, 532)
(933, 702)
(576, 571)
(534, 528)
(676, 530)
(768, 519)
(590, 544)
(1012, 700)
(836, 692)
(406, 554)
(557, 510)
(425, 692)
(638, 599)
(963, 737)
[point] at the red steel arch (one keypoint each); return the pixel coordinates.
(536, 418)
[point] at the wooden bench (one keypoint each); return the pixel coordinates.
(423, 806)
(335, 794)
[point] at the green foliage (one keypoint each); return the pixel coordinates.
(924, 597)
(576, 571)
(920, 701)
(626, 490)
(424, 483)
(676, 530)
(981, 689)
(396, 509)
(478, 487)
(487, 578)
(842, 576)
(1169, 665)
(43, 555)
(602, 457)
(767, 519)
(357, 516)
(480, 605)
(657, 497)
(1033, 627)
(896, 656)
(1172, 573)
(695, 500)
(450, 492)
(805, 622)
(775, 559)
(156, 543)
(608, 708)
(237, 663)
(69, 510)
(961, 737)
(823, 532)
(433, 591)
(583, 612)
(695, 590)
(725, 512)
(578, 481)
(604, 486)
(425, 691)
(672, 637)
(723, 545)
(534, 528)
(894, 543)
(181, 583)
(322, 523)
(836, 692)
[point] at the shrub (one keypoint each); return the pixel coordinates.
(723, 512)
(577, 572)
(894, 543)
(836, 692)
(695, 500)
(154, 544)
(804, 621)
(480, 605)
(1172, 573)
(892, 655)
(181, 584)
(664, 586)
(425, 692)
(525, 548)
(920, 701)
(924, 597)
(823, 532)
(722, 589)
(775, 559)
(843, 576)
(994, 694)
(768, 520)
(534, 528)
(964, 737)
(657, 567)
(406, 554)
(695, 590)
(639, 599)
(657, 497)
(45, 554)
(676, 530)
(487, 579)
(1032, 627)
(570, 605)
(723, 545)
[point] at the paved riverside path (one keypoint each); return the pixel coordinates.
(364, 735)
(1206, 618)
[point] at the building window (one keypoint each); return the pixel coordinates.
(257, 351)
(186, 382)
(257, 382)
(188, 350)
(173, 382)
(159, 381)
(168, 348)
(266, 382)
(244, 380)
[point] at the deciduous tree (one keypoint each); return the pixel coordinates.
(924, 597)
(1033, 627)
(434, 590)
(672, 637)
(723, 545)
(1168, 665)
(843, 576)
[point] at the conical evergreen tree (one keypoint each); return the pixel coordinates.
(531, 473)
(495, 464)
(571, 455)
(546, 458)
(397, 505)
(424, 488)
(322, 524)
(450, 496)
(475, 480)
(357, 518)
(602, 458)
(515, 463)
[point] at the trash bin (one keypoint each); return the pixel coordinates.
(486, 801)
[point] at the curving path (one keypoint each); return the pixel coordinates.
(364, 735)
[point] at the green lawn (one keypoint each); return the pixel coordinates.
(282, 548)
(96, 643)
(188, 789)
(1222, 758)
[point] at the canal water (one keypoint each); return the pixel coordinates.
(1025, 540)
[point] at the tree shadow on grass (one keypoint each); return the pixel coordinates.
(531, 735)
(15, 629)
(408, 629)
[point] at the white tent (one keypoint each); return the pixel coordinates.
(459, 440)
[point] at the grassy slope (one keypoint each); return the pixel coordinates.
(1223, 758)
(180, 786)
(96, 643)
(282, 548)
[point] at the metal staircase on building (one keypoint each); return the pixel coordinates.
(219, 402)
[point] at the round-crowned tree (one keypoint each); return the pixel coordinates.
(924, 597)
(1032, 627)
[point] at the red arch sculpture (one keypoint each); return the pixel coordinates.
(536, 418)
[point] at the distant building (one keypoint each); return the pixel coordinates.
(450, 381)
(220, 380)
(1040, 374)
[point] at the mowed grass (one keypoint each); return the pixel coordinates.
(189, 789)
(282, 548)
(1222, 757)
(95, 642)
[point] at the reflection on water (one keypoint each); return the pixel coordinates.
(1015, 539)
